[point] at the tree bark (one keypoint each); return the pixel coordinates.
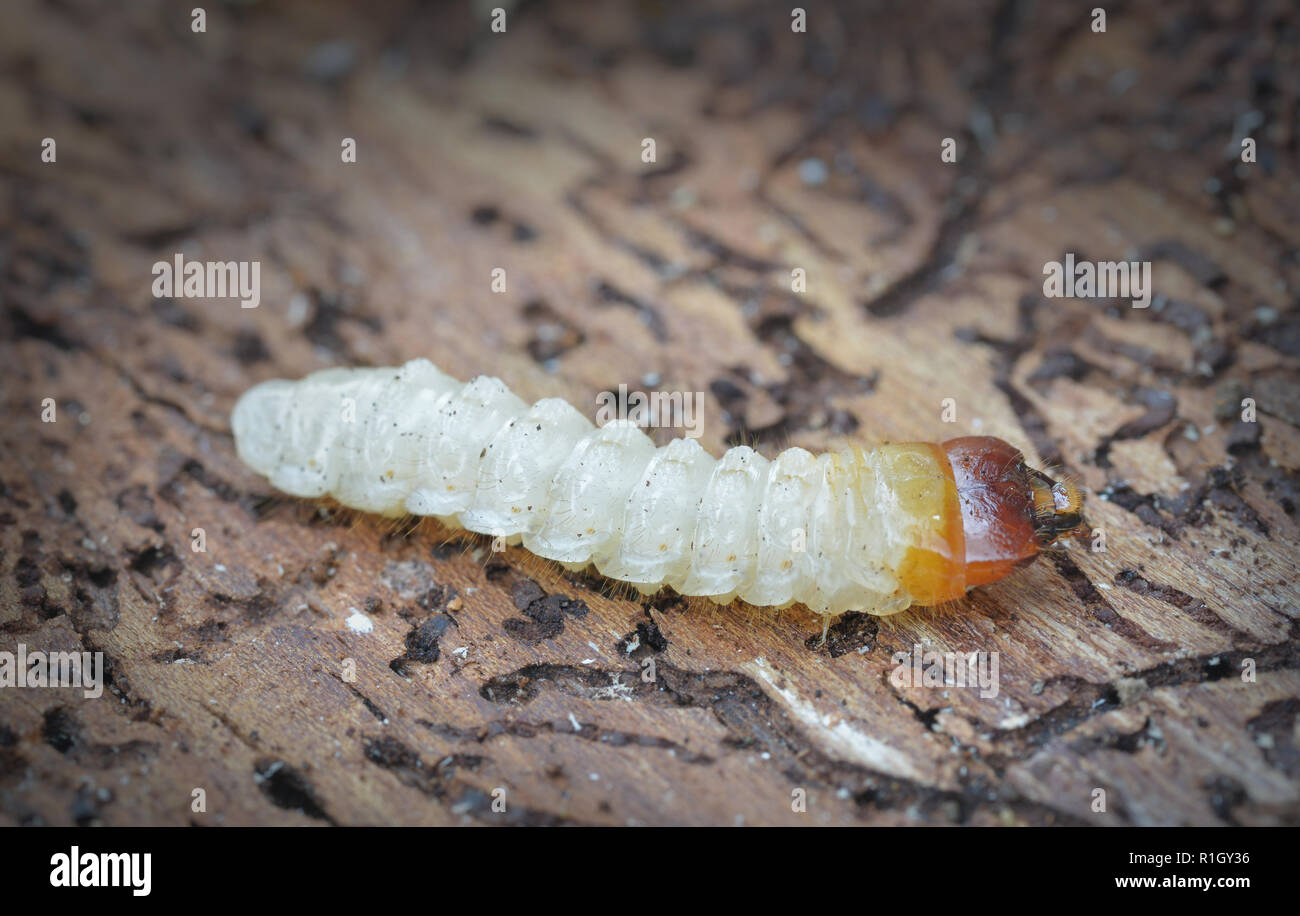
(1154, 682)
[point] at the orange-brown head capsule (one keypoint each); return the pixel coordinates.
(1009, 511)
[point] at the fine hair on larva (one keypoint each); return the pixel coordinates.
(874, 530)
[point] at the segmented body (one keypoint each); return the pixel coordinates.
(871, 530)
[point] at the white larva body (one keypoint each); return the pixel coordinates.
(828, 531)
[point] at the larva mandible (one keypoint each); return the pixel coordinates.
(874, 530)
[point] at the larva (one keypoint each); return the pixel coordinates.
(873, 530)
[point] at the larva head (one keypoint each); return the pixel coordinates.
(1058, 508)
(1009, 510)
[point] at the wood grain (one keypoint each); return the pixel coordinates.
(234, 671)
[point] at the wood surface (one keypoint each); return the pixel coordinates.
(234, 670)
